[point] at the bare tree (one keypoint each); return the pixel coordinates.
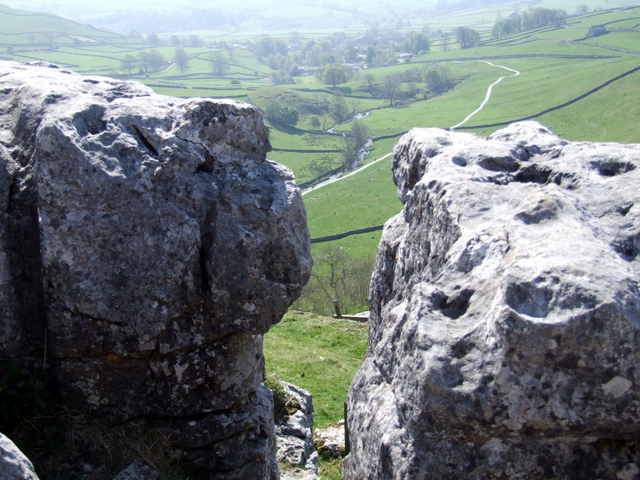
(332, 280)
(49, 38)
(195, 41)
(337, 276)
(181, 58)
(157, 60)
(218, 63)
(128, 62)
(143, 60)
(154, 39)
(445, 41)
(390, 87)
(370, 80)
(355, 105)
(354, 140)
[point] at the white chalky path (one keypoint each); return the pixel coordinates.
(486, 99)
(488, 95)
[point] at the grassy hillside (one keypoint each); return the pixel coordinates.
(17, 25)
(319, 354)
(557, 68)
(322, 356)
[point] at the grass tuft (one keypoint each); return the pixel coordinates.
(66, 444)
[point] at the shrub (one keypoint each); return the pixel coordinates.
(283, 403)
(282, 113)
(22, 393)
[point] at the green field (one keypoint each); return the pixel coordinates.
(556, 65)
(322, 356)
(319, 354)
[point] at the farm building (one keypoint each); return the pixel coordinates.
(597, 30)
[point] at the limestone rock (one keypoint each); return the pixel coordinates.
(505, 313)
(330, 442)
(299, 474)
(295, 436)
(13, 464)
(155, 242)
(138, 471)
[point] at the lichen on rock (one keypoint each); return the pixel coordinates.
(505, 313)
(155, 242)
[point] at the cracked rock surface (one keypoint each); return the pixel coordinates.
(155, 242)
(505, 313)
(295, 437)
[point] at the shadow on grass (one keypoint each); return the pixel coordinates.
(288, 129)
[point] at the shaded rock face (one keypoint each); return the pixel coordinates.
(505, 313)
(155, 243)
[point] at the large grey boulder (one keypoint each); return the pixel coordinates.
(138, 471)
(13, 464)
(155, 243)
(505, 313)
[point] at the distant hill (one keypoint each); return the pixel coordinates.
(242, 15)
(20, 27)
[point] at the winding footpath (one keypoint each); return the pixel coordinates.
(486, 99)
(328, 182)
(488, 95)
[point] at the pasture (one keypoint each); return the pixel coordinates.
(556, 65)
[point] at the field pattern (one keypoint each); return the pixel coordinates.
(582, 88)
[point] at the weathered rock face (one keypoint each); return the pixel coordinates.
(294, 436)
(505, 313)
(13, 464)
(155, 242)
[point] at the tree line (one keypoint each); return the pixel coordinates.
(153, 61)
(528, 20)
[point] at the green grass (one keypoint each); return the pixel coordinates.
(298, 161)
(328, 352)
(622, 40)
(20, 22)
(546, 83)
(366, 199)
(331, 469)
(282, 137)
(239, 95)
(597, 118)
(442, 111)
(600, 18)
